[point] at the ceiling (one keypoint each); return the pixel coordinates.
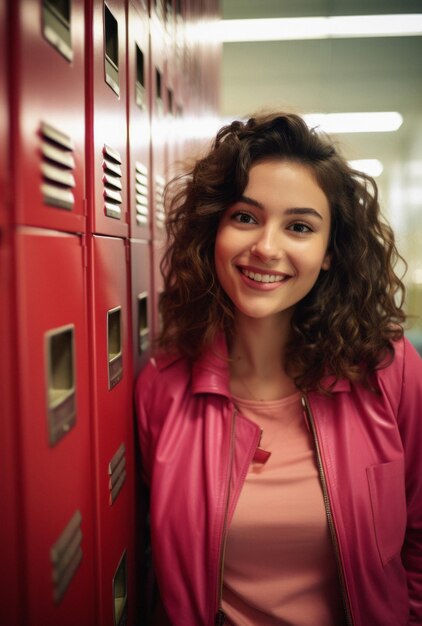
(333, 75)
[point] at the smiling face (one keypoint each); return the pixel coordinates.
(272, 244)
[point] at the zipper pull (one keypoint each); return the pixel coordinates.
(261, 455)
(220, 618)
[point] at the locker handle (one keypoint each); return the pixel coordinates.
(57, 26)
(111, 50)
(140, 91)
(120, 591)
(143, 327)
(60, 381)
(114, 346)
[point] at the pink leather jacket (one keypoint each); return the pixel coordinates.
(196, 451)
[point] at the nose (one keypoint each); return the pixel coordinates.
(268, 245)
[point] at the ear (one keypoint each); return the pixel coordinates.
(326, 264)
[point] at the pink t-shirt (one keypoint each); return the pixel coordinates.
(279, 563)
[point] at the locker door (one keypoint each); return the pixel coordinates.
(158, 124)
(54, 429)
(157, 250)
(141, 302)
(139, 144)
(10, 571)
(47, 65)
(107, 120)
(112, 377)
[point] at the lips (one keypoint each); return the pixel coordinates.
(262, 276)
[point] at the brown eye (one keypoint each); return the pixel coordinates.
(300, 228)
(243, 218)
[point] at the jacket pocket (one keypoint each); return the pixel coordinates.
(388, 501)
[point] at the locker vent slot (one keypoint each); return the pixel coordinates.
(143, 328)
(57, 168)
(66, 555)
(140, 91)
(56, 26)
(120, 592)
(159, 201)
(170, 101)
(111, 50)
(112, 174)
(159, 6)
(159, 92)
(117, 473)
(141, 194)
(60, 382)
(114, 346)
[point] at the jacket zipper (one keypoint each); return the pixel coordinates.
(328, 511)
(220, 616)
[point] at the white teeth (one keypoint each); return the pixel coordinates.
(263, 278)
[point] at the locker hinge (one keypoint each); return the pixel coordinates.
(127, 247)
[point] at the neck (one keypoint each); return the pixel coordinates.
(258, 346)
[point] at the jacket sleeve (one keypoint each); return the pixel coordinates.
(409, 416)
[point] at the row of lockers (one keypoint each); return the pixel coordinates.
(94, 86)
(100, 98)
(76, 431)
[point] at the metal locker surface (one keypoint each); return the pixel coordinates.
(157, 251)
(54, 429)
(11, 580)
(159, 130)
(48, 114)
(141, 302)
(112, 379)
(106, 145)
(139, 132)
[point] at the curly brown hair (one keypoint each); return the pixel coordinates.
(346, 324)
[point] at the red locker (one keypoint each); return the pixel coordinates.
(112, 377)
(48, 123)
(158, 109)
(139, 132)
(141, 302)
(106, 139)
(11, 582)
(54, 429)
(11, 579)
(157, 251)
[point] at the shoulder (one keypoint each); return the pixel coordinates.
(401, 374)
(163, 374)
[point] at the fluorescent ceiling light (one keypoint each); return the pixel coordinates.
(371, 122)
(281, 29)
(373, 167)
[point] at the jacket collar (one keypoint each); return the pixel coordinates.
(210, 373)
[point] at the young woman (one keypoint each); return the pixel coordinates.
(280, 422)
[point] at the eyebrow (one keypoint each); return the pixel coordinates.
(292, 211)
